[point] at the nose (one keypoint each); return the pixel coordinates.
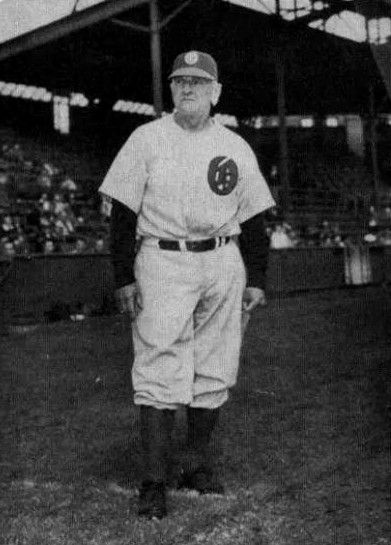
(186, 87)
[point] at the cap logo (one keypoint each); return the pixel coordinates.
(191, 57)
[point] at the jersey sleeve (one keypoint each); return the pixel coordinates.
(254, 193)
(126, 178)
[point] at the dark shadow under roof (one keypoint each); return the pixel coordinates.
(325, 74)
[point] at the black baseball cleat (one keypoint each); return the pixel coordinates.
(202, 480)
(152, 500)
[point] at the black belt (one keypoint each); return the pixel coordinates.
(194, 245)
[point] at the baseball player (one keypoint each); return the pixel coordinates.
(189, 191)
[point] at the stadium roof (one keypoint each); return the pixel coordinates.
(345, 18)
(91, 46)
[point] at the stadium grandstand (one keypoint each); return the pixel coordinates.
(306, 82)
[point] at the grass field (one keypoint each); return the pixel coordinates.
(304, 442)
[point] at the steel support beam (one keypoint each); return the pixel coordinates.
(373, 146)
(67, 25)
(154, 30)
(156, 58)
(282, 128)
(373, 133)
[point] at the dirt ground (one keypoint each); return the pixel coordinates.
(303, 443)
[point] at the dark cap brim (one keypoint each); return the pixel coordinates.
(191, 71)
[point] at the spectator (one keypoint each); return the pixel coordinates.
(3, 240)
(373, 218)
(17, 223)
(49, 247)
(50, 170)
(279, 238)
(105, 207)
(7, 225)
(4, 198)
(81, 246)
(327, 242)
(99, 245)
(273, 174)
(325, 234)
(64, 225)
(44, 179)
(71, 199)
(7, 248)
(385, 237)
(45, 220)
(58, 205)
(20, 245)
(13, 152)
(370, 238)
(45, 203)
(68, 185)
(338, 242)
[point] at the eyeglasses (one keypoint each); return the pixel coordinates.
(191, 81)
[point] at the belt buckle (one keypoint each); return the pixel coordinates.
(192, 245)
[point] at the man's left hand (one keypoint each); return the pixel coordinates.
(252, 297)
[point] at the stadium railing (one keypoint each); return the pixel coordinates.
(34, 284)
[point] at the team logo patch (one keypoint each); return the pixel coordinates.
(191, 57)
(222, 175)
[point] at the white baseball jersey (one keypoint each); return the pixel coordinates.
(187, 185)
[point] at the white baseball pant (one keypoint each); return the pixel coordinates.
(187, 336)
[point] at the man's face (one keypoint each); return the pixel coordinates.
(99, 244)
(9, 249)
(193, 95)
(49, 246)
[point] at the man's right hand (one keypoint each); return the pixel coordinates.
(129, 300)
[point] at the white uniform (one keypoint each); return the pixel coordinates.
(187, 186)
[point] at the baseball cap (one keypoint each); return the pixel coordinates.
(195, 63)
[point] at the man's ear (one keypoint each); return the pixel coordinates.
(216, 92)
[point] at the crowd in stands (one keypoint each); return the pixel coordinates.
(330, 234)
(43, 210)
(378, 231)
(283, 235)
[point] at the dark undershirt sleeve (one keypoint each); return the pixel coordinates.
(122, 243)
(254, 246)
